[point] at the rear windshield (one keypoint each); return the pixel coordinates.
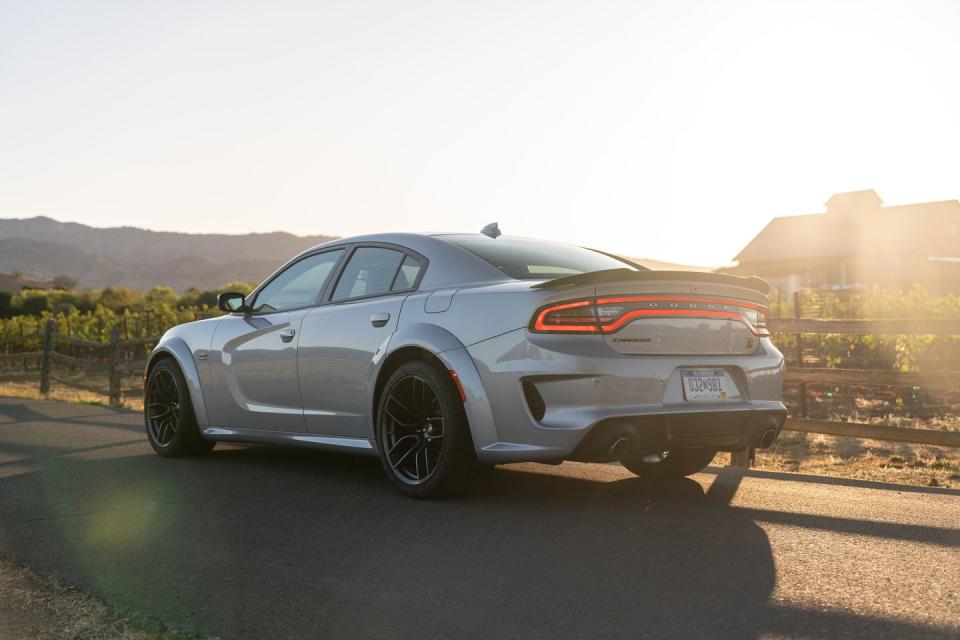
(528, 259)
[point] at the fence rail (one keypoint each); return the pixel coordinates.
(874, 432)
(933, 380)
(936, 327)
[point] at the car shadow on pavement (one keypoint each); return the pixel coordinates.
(841, 482)
(262, 542)
(15, 411)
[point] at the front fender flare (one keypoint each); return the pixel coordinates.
(178, 349)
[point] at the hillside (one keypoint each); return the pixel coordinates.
(41, 248)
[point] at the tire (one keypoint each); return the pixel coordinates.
(168, 413)
(676, 464)
(422, 433)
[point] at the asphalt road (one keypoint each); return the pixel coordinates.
(256, 542)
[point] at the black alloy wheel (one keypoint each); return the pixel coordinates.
(422, 433)
(163, 408)
(168, 413)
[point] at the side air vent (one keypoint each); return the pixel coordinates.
(534, 400)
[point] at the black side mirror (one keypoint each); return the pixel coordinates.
(231, 302)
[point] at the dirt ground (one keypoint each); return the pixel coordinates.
(37, 608)
(896, 462)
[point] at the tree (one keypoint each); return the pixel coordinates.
(239, 287)
(162, 295)
(193, 297)
(120, 298)
(34, 305)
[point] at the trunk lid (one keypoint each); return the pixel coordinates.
(673, 312)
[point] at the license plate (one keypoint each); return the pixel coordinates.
(704, 385)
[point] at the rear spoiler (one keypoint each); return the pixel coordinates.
(614, 275)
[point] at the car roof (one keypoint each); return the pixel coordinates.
(450, 265)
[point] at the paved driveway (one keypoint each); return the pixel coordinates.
(256, 542)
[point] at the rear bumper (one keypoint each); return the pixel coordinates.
(719, 430)
(591, 395)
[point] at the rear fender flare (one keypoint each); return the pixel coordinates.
(444, 346)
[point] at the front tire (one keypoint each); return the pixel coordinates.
(168, 413)
(676, 464)
(422, 433)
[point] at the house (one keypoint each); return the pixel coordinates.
(859, 243)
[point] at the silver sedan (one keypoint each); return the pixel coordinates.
(447, 354)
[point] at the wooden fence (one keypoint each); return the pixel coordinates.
(56, 358)
(798, 373)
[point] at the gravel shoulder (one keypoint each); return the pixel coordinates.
(35, 607)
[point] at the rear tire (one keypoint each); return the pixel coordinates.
(422, 433)
(676, 464)
(168, 413)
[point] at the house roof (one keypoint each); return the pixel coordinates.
(853, 201)
(856, 224)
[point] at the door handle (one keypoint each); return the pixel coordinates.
(379, 319)
(287, 334)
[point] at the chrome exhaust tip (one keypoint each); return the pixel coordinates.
(619, 448)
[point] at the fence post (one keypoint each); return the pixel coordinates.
(113, 394)
(45, 358)
(802, 386)
(798, 314)
(26, 366)
(743, 459)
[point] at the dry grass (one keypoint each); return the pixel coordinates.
(64, 393)
(824, 455)
(32, 606)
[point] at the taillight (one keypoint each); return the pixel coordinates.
(568, 317)
(608, 315)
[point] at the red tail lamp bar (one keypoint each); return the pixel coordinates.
(610, 314)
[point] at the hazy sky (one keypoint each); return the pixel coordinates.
(672, 130)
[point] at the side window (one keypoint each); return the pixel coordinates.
(370, 271)
(407, 275)
(299, 285)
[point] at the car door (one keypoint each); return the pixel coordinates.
(338, 339)
(253, 356)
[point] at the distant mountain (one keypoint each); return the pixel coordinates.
(42, 248)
